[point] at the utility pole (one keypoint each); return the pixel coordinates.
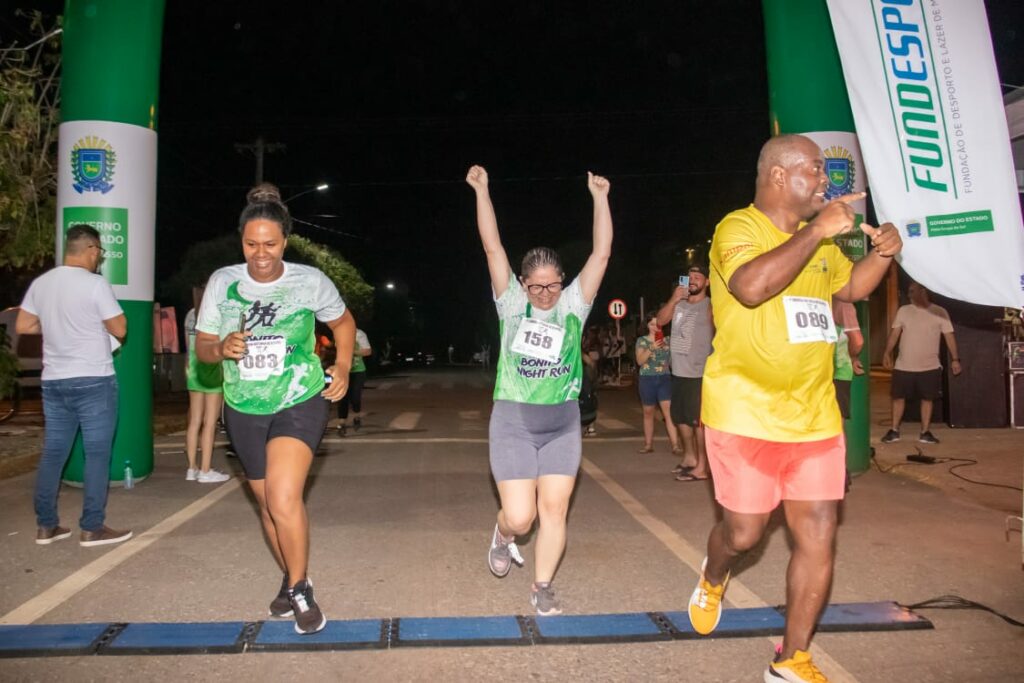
(258, 149)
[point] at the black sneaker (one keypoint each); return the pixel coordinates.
(891, 436)
(357, 423)
(281, 606)
(308, 617)
(342, 429)
(927, 437)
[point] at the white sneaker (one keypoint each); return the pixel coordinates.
(212, 477)
(191, 473)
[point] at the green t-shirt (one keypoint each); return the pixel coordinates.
(199, 376)
(362, 342)
(526, 379)
(281, 368)
(845, 317)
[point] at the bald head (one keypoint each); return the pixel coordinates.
(784, 151)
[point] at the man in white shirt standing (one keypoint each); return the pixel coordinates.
(75, 310)
(917, 328)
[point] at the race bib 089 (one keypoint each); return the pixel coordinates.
(808, 320)
(538, 339)
(263, 358)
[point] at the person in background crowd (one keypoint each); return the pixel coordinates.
(654, 383)
(205, 399)
(689, 311)
(917, 373)
(846, 357)
(75, 310)
(357, 378)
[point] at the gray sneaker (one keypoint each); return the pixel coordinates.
(543, 598)
(502, 554)
(281, 606)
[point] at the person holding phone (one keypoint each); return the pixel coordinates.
(655, 383)
(689, 311)
(258, 320)
(535, 441)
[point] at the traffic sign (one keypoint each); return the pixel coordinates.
(617, 309)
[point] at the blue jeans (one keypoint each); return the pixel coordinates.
(89, 403)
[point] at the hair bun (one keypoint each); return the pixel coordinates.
(264, 192)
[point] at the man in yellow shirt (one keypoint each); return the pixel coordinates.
(773, 428)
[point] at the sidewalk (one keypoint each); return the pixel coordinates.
(999, 454)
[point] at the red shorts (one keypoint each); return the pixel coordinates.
(753, 475)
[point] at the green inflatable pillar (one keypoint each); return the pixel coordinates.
(107, 179)
(807, 95)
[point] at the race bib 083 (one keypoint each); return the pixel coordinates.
(263, 358)
(808, 320)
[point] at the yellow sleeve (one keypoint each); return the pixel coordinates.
(737, 241)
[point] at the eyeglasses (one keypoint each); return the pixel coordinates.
(96, 246)
(551, 287)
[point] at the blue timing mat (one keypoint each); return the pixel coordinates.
(48, 640)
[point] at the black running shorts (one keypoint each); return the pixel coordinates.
(250, 434)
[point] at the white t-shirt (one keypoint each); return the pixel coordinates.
(919, 341)
(71, 304)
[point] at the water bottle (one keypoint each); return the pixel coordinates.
(129, 481)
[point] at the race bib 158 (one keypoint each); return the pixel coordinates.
(538, 339)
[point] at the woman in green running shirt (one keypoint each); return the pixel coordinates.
(535, 441)
(257, 319)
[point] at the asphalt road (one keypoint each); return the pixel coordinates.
(402, 514)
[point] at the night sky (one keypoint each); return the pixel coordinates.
(391, 101)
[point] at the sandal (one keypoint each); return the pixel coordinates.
(648, 448)
(681, 469)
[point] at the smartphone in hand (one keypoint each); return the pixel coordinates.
(684, 280)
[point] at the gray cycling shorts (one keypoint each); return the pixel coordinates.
(529, 441)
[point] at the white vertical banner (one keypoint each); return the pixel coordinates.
(926, 101)
(107, 179)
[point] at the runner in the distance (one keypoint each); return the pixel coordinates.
(772, 425)
(535, 441)
(258, 317)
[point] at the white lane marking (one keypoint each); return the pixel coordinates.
(405, 421)
(737, 595)
(384, 386)
(63, 590)
(447, 385)
(605, 422)
(415, 386)
(469, 414)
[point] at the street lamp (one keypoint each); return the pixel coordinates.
(389, 285)
(319, 188)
